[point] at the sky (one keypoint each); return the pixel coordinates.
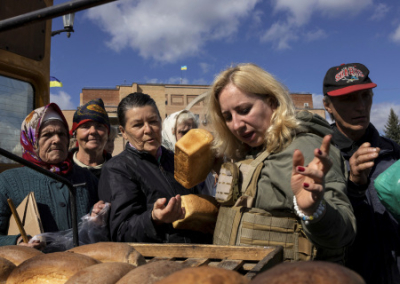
(147, 41)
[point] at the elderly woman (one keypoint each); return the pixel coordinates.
(44, 139)
(254, 117)
(139, 182)
(175, 126)
(90, 128)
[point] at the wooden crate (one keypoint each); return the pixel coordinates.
(248, 261)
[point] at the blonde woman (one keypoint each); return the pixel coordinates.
(252, 113)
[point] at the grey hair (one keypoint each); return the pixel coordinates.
(185, 116)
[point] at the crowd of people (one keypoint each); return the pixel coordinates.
(316, 177)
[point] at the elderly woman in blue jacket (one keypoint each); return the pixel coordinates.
(45, 139)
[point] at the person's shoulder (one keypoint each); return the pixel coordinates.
(122, 158)
(19, 172)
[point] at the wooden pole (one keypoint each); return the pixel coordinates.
(18, 220)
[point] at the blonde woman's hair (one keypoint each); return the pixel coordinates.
(250, 78)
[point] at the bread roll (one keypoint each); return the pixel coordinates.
(18, 254)
(55, 268)
(151, 272)
(205, 275)
(6, 267)
(104, 273)
(111, 252)
(308, 272)
(193, 157)
(201, 213)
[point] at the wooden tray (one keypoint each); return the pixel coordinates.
(248, 261)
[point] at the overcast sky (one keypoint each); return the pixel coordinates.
(147, 41)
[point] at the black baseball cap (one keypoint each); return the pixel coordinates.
(347, 78)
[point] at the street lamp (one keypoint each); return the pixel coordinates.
(68, 21)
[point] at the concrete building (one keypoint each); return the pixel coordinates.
(169, 99)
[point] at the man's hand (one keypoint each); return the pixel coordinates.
(362, 162)
(170, 213)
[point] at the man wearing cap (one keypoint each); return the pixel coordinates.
(375, 253)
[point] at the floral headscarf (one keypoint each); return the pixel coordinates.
(30, 130)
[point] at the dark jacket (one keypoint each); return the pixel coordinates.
(132, 181)
(52, 198)
(375, 253)
(96, 171)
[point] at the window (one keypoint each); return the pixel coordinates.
(176, 99)
(306, 105)
(16, 102)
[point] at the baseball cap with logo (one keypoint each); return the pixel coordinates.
(347, 78)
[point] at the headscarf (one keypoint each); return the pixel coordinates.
(30, 130)
(168, 128)
(91, 111)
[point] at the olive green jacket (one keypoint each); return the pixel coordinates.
(337, 228)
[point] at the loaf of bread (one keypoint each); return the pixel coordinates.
(305, 272)
(151, 272)
(6, 267)
(205, 275)
(111, 252)
(104, 273)
(194, 158)
(18, 254)
(55, 268)
(201, 213)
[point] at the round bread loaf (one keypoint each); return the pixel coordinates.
(55, 268)
(151, 272)
(111, 252)
(18, 254)
(205, 275)
(104, 273)
(308, 272)
(6, 267)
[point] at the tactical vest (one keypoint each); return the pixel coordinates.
(239, 223)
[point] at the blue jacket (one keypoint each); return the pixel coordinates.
(375, 253)
(52, 198)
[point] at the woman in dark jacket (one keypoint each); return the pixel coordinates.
(139, 182)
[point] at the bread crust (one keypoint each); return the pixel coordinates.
(18, 254)
(201, 213)
(105, 273)
(205, 275)
(111, 252)
(318, 272)
(193, 157)
(6, 267)
(55, 268)
(151, 272)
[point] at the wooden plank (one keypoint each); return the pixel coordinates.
(203, 251)
(195, 262)
(231, 264)
(154, 259)
(267, 262)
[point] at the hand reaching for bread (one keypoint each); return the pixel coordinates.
(167, 214)
(36, 244)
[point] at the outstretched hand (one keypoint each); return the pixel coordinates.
(308, 182)
(171, 212)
